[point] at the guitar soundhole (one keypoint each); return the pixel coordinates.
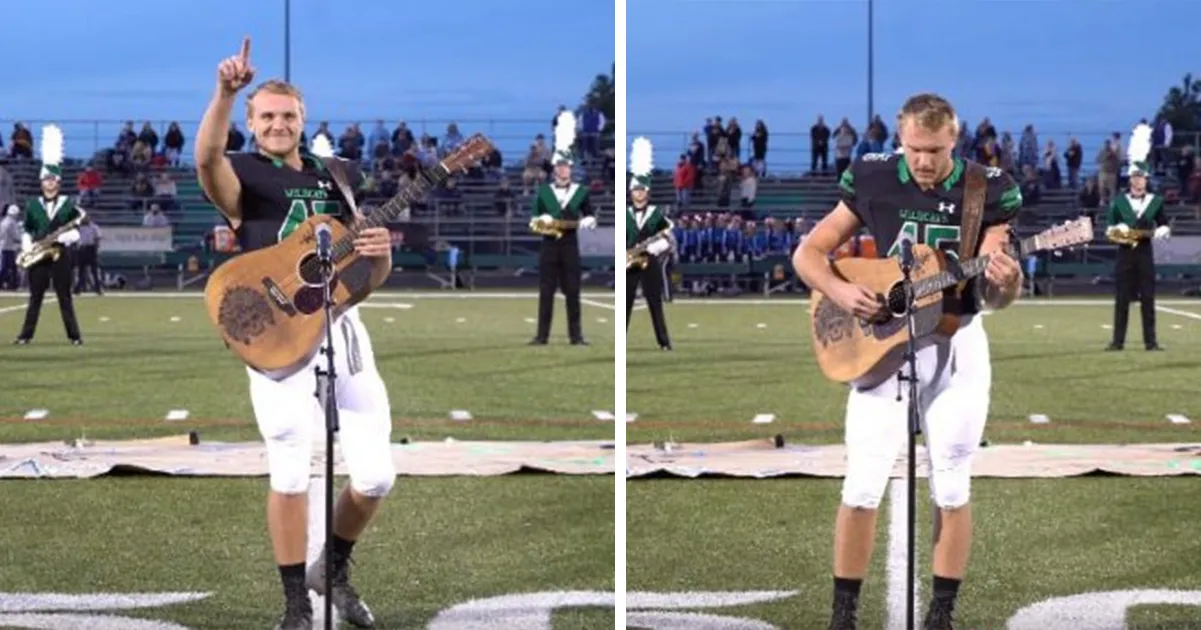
(831, 324)
(310, 270)
(244, 314)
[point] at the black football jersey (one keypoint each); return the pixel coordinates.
(276, 198)
(880, 190)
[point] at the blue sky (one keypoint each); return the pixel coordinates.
(1083, 67)
(502, 60)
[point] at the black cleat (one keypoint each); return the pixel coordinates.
(298, 615)
(843, 616)
(939, 617)
(345, 599)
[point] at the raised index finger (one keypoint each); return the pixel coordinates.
(245, 54)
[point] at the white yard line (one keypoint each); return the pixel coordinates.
(21, 307)
(392, 295)
(898, 555)
(317, 542)
(1179, 312)
(683, 301)
(606, 305)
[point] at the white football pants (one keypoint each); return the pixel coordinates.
(953, 390)
(291, 420)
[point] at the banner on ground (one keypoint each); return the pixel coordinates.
(123, 239)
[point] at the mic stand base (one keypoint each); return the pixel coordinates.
(327, 395)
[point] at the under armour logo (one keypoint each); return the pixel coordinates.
(325, 185)
(946, 207)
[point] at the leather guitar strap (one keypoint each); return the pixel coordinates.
(337, 170)
(973, 213)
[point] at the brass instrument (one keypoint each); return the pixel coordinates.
(1129, 237)
(637, 256)
(49, 247)
(554, 227)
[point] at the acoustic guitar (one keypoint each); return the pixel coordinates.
(268, 304)
(866, 353)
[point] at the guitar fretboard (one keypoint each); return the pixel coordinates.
(415, 191)
(966, 270)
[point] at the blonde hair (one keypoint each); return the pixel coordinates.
(931, 111)
(274, 86)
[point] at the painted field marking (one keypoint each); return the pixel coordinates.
(605, 416)
(21, 307)
(175, 415)
(460, 320)
(1038, 418)
(1176, 418)
(176, 318)
(760, 325)
(606, 305)
(630, 417)
(389, 320)
(898, 556)
(104, 319)
(1176, 311)
(1038, 325)
(37, 414)
(764, 418)
(601, 320)
(460, 415)
(693, 325)
(530, 320)
(1107, 326)
(396, 305)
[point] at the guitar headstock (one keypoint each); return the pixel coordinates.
(1071, 233)
(475, 150)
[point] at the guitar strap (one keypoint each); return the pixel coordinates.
(337, 170)
(973, 213)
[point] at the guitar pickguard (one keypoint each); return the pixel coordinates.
(244, 314)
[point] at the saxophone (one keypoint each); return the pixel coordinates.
(554, 227)
(1129, 237)
(637, 255)
(48, 247)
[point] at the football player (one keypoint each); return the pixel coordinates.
(264, 196)
(918, 195)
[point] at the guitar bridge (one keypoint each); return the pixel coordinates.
(279, 297)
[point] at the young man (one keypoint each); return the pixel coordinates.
(559, 257)
(1134, 273)
(264, 196)
(916, 195)
(45, 214)
(644, 223)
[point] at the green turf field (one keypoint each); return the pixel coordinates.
(756, 553)
(438, 544)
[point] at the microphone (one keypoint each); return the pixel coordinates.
(325, 238)
(906, 254)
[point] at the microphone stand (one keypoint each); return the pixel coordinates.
(328, 396)
(914, 429)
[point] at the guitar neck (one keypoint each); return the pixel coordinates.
(969, 269)
(417, 189)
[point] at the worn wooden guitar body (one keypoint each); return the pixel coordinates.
(268, 304)
(864, 354)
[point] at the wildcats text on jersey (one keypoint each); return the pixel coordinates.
(882, 194)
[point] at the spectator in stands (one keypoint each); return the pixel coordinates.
(1192, 179)
(10, 243)
(1030, 185)
(350, 144)
(165, 190)
(154, 217)
(754, 242)
(730, 244)
(427, 152)
(987, 152)
(759, 148)
(696, 155)
(386, 185)
(402, 139)
(235, 140)
(379, 135)
(985, 130)
(1108, 163)
(845, 139)
(140, 191)
(714, 134)
(707, 238)
(449, 197)
(684, 181)
(964, 146)
(452, 140)
(1161, 143)
(22, 142)
(1009, 155)
(8, 190)
(727, 176)
(149, 137)
(140, 156)
(1052, 178)
(173, 144)
(748, 189)
(1028, 149)
(819, 145)
(1073, 158)
(734, 138)
(126, 139)
(1090, 197)
(89, 183)
(534, 172)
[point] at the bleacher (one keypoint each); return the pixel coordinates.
(810, 196)
(487, 242)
